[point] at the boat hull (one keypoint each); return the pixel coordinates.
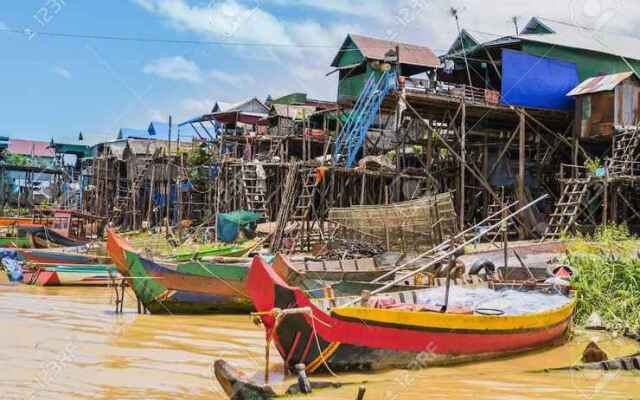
(193, 288)
(74, 275)
(357, 338)
(60, 257)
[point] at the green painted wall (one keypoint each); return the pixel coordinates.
(349, 54)
(589, 63)
(350, 88)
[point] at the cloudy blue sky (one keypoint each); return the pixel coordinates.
(58, 86)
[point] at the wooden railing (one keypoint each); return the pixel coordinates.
(469, 93)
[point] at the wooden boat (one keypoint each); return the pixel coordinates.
(360, 269)
(318, 288)
(43, 237)
(61, 257)
(73, 275)
(358, 337)
(190, 287)
(237, 385)
(160, 246)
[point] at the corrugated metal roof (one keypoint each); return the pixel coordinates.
(376, 49)
(569, 35)
(597, 84)
(30, 147)
(252, 105)
(129, 133)
(293, 111)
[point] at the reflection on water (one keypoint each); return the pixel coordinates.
(66, 343)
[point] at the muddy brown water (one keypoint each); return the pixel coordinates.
(66, 343)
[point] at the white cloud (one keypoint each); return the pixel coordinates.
(197, 106)
(146, 4)
(158, 115)
(62, 72)
(233, 78)
(176, 68)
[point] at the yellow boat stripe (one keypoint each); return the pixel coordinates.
(324, 356)
(446, 321)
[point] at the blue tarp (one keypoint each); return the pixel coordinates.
(12, 265)
(229, 223)
(532, 81)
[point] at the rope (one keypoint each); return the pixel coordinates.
(315, 334)
(220, 279)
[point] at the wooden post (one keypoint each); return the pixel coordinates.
(485, 172)
(521, 164)
(521, 160)
(168, 180)
(605, 205)
(151, 188)
(463, 161)
(429, 151)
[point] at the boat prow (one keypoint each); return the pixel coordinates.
(116, 246)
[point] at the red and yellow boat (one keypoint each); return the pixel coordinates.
(323, 335)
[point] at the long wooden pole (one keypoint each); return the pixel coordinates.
(521, 158)
(463, 161)
(168, 177)
(151, 188)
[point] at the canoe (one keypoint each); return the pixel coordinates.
(189, 287)
(361, 269)
(215, 250)
(160, 246)
(61, 257)
(395, 333)
(74, 275)
(319, 288)
(43, 237)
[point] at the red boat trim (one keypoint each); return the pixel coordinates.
(307, 347)
(293, 348)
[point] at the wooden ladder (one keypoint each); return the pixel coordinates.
(625, 143)
(304, 208)
(305, 200)
(253, 192)
(567, 208)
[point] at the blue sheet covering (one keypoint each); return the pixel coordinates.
(532, 81)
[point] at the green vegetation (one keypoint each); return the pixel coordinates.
(593, 165)
(608, 277)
